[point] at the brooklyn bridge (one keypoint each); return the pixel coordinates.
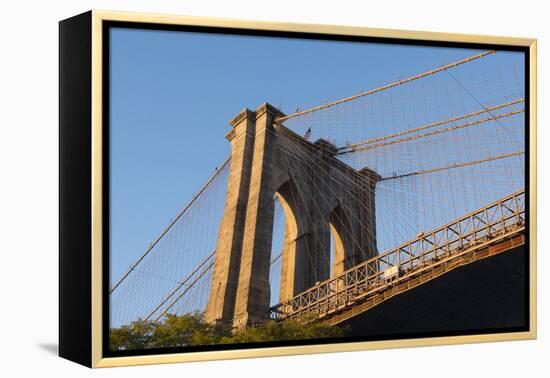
(398, 209)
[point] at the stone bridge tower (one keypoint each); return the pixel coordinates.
(319, 193)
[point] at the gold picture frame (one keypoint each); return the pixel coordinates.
(82, 260)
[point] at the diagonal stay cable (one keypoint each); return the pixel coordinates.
(352, 147)
(181, 284)
(457, 165)
(387, 86)
(434, 132)
(469, 93)
(199, 276)
(172, 223)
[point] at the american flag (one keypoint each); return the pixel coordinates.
(307, 135)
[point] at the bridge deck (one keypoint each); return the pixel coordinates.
(486, 296)
(430, 273)
(487, 231)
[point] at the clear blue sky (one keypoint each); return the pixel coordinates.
(173, 93)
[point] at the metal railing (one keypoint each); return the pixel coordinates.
(496, 220)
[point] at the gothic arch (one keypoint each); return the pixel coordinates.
(340, 230)
(268, 160)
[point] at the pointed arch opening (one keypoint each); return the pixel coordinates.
(339, 229)
(286, 231)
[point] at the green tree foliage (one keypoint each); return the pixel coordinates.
(177, 331)
(283, 330)
(137, 335)
(191, 329)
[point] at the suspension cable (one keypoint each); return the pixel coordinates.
(387, 86)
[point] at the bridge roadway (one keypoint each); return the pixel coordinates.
(486, 295)
(428, 264)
